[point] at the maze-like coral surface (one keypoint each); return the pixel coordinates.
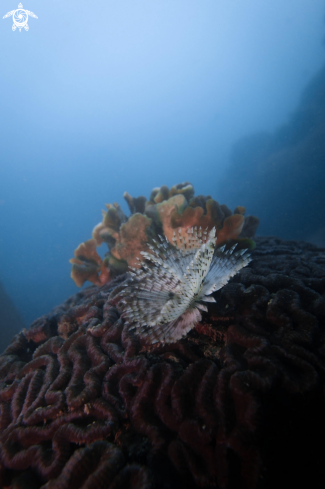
(238, 403)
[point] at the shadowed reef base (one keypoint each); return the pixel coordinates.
(10, 319)
(238, 403)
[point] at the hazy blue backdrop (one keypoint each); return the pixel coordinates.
(102, 97)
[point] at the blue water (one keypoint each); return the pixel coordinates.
(105, 97)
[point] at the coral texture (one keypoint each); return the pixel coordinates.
(238, 403)
(164, 212)
(162, 300)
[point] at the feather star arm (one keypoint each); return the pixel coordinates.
(163, 299)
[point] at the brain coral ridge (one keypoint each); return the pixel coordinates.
(238, 403)
(164, 212)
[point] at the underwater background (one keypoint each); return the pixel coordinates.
(105, 97)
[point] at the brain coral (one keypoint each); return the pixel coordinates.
(166, 210)
(238, 403)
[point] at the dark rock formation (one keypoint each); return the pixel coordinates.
(238, 403)
(10, 319)
(281, 176)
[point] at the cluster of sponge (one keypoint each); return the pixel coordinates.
(164, 212)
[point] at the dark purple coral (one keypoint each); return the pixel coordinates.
(238, 403)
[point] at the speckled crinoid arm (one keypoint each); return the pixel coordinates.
(161, 301)
(225, 264)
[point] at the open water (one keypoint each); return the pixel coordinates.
(99, 98)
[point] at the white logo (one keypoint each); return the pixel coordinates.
(20, 18)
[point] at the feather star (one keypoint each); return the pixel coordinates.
(163, 299)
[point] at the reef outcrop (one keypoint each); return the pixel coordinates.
(238, 403)
(10, 319)
(281, 175)
(164, 212)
